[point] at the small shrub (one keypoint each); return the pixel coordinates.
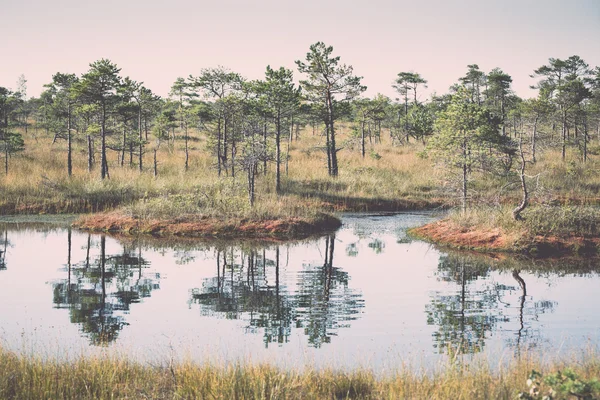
(374, 155)
(561, 384)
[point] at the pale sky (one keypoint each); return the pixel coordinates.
(155, 41)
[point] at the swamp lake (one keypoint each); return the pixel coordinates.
(366, 296)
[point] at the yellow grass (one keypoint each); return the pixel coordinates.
(30, 377)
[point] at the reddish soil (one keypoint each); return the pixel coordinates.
(207, 227)
(447, 233)
(495, 240)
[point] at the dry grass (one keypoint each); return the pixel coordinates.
(388, 178)
(29, 377)
(37, 181)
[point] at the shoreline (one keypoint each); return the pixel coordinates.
(496, 240)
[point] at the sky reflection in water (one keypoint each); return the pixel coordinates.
(366, 296)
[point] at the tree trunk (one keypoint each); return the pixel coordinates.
(465, 170)
(564, 134)
(130, 155)
(585, 139)
(6, 156)
(141, 149)
(69, 144)
(287, 158)
(155, 165)
(251, 175)
(104, 172)
(533, 138)
(224, 152)
(187, 156)
(123, 146)
(278, 154)
(265, 146)
(334, 162)
(517, 211)
(327, 146)
(90, 154)
(362, 139)
(233, 151)
(219, 146)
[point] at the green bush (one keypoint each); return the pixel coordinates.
(560, 385)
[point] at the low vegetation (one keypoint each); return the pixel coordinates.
(26, 377)
(543, 231)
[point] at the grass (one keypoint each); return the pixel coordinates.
(30, 377)
(397, 179)
(37, 181)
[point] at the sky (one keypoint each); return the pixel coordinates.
(157, 41)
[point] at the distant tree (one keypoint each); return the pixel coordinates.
(12, 141)
(252, 154)
(125, 114)
(327, 83)
(362, 116)
(368, 115)
(282, 98)
(180, 91)
(24, 107)
(535, 111)
(63, 103)
(420, 121)
(465, 134)
(164, 123)
(497, 93)
(594, 81)
(563, 83)
(475, 79)
(99, 86)
(132, 90)
(219, 83)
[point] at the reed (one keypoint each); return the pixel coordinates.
(30, 377)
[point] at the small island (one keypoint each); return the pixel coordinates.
(543, 231)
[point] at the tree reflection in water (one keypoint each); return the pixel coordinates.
(99, 292)
(4, 244)
(466, 318)
(249, 295)
(322, 304)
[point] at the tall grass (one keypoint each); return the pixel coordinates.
(29, 377)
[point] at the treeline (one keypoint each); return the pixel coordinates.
(480, 124)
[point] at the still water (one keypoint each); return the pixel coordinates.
(366, 296)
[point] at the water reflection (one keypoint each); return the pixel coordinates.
(232, 297)
(98, 292)
(4, 243)
(248, 295)
(322, 303)
(468, 314)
